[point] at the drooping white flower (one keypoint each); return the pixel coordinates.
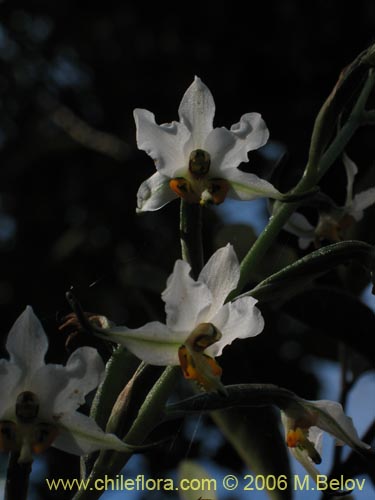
(198, 322)
(195, 161)
(332, 222)
(354, 206)
(301, 227)
(38, 401)
(304, 423)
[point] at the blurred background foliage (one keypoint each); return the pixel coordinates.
(71, 73)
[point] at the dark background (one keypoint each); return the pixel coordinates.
(67, 210)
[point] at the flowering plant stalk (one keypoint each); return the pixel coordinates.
(212, 308)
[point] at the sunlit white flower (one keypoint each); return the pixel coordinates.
(334, 221)
(304, 423)
(198, 322)
(354, 206)
(38, 401)
(195, 161)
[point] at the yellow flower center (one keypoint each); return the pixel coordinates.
(198, 187)
(195, 364)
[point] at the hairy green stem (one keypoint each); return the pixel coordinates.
(119, 370)
(149, 416)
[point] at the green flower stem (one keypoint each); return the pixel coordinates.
(191, 235)
(17, 481)
(119, 370)
(238, 396)
(355, 120)
(152, 410)
(149, 416)
(309, 180)
(265, 241)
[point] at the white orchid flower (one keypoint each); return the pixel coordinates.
(198, 322)
(354, 206)
(38, 401)
(304, 424)
(331, 223)
(195, 161)
(301, 227)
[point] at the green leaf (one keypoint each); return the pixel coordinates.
(295, 276)
(238, 395)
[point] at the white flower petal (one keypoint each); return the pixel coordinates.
(83, 371)
(351, 171)
(153, 342)
(58, 389)
(303, 458)
(332, 419)
(301, 227)
(196, 111)
(10, 377)
(186, 300)
(218, 143)
(171, 145)
(360, 202)
(221, 275)
(164, 143)
(154, 193)
(47, 383)
(27, 342)
(236, 320)
(80, 435)
(250, 133)
(316, 437)
(246, 186)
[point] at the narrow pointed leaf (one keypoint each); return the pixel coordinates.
(296, 275)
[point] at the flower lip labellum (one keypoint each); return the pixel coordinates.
(195, 364)
(216, 193)
(201, 368)
(44, 436)
(297, 438)
(27, 407)
(199, 163)
(183, 188)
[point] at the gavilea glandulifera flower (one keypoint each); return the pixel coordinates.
(38, 401)
(333, 221)
(198, 322)
(304, 424)
(195, 161)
